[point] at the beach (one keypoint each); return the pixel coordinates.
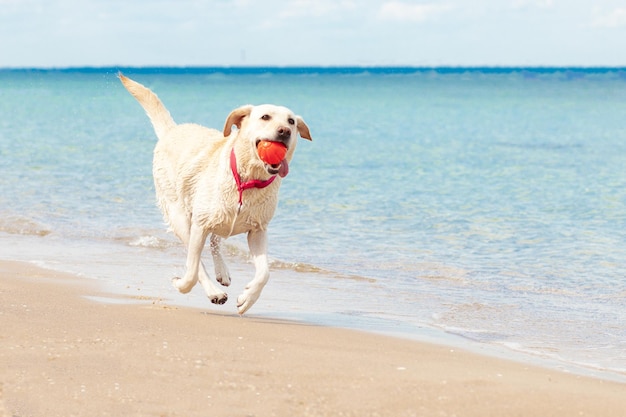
(64, 354)
(497, 219)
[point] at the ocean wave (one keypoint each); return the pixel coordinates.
(18, 225)
(431, 271)
(309, 268)
(294, 266)
(146, 238)
(150, 242)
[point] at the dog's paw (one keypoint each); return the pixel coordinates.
(223, 279)
(221, 274)
(219, 298)
(182, 285)
(246, 300)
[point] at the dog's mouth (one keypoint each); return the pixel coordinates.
(280, 168)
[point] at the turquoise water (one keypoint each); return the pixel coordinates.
(484, 203)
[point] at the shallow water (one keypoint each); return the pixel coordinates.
(486, 204)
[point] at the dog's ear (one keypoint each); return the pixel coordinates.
(303, 129)
(236, 117)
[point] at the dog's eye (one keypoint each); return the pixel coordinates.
(266, 117)
(291, 121)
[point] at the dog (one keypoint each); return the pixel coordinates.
(212, 184)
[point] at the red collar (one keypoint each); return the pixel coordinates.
(248, 184)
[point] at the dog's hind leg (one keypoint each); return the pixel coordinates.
(184, 285)
(257, 242)
(215, 295)
(195, 243)
(221, 270)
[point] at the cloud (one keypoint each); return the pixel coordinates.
(315, 8)
(303, 10)
(614, 19)
(523, 4)
(402, 11)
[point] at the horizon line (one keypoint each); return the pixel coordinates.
(527, 71)
(307, 67)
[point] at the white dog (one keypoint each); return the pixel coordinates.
(213, 183)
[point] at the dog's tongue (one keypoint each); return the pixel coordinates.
(283, 170)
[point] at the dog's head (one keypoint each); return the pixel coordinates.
(268, 122)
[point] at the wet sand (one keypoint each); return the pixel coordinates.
(62, 354)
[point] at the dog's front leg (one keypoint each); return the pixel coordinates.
(197, 238)
(257, 242)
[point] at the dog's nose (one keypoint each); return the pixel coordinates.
(284, 132)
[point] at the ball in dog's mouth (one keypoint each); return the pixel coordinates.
(273, 154)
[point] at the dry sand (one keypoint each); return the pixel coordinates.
(64, 355)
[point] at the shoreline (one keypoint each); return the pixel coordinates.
(128, 279)
(62, 354)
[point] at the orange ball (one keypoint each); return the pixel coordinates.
(271, 152)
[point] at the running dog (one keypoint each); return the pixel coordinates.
(212, 184)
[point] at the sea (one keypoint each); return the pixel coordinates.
(479, 208)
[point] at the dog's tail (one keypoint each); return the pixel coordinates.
(159, 116)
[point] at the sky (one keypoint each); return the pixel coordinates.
(77, 33)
